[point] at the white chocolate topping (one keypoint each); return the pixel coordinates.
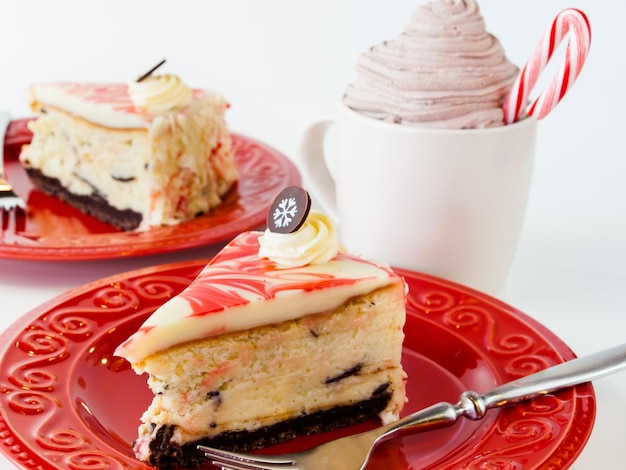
(239, 290)
(110, 104)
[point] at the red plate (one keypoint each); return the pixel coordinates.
(67, 403)
(56, 231)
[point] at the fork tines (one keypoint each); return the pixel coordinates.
(10, 201)
(12, 218)
(235, 461)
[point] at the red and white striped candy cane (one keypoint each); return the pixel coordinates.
(570, 20)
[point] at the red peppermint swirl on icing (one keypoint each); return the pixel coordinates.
(238, 276)
(114, 95)
(239, 290)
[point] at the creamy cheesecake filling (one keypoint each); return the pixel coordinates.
(104, 104)
(64, 149)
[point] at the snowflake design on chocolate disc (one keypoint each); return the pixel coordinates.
(285, 212)
(289, 210)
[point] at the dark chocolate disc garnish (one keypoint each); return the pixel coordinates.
(150, 72)
(289, 210)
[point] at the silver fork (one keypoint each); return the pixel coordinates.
(353, 452)
(10, 203)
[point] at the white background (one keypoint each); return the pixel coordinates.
(280, 63)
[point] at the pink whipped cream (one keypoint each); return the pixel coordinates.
(444, 70)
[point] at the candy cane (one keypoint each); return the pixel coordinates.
(571, 21)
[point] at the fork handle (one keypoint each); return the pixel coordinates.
(474, 406)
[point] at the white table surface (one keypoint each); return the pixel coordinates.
(281, 63)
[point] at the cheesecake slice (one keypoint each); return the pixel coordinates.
(254, 352)
(138, 155)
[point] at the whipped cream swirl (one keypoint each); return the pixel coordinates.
(444, 70)
(315, 242)
(160, 93)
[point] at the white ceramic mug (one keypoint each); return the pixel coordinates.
(446, 202)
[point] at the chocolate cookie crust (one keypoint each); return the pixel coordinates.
(92, 204)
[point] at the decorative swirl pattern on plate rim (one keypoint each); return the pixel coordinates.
(530, 427)
(46, 425)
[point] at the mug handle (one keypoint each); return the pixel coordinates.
(313, 162)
